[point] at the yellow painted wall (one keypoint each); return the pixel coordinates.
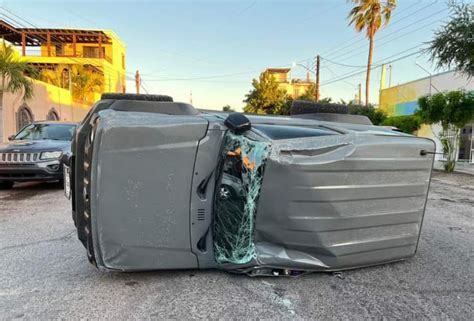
(45, 98)
(295, 90)
(292, 89)
(280, 76)
(113, 67)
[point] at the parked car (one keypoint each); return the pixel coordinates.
(157, 184)
(35, 153)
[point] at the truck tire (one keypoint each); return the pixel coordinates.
(117, 96)
(310, 107)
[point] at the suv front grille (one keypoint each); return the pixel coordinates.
(18, 158)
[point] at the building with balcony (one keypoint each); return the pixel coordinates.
(293, 87)
(60, 55)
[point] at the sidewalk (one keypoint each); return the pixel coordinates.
(461, 167)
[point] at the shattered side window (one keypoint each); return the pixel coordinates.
(237, 192)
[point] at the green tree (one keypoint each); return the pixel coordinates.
(408, 124)
(375, 115)
(368, 15)
(452, 110)
(266, 97)
(309, 94)
(453, 44)
(16, 74)
(59, 76)
(227, 108)
(82, 80)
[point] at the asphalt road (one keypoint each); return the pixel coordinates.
(44, 272)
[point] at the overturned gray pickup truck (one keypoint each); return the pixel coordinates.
(157, 184)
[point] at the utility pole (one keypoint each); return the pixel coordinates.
(390, 75)
(317, 78)
(138, 81)
(383, 76)
(360, 94)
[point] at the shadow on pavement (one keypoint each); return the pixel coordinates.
(22, 191)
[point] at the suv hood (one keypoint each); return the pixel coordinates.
(25, 146)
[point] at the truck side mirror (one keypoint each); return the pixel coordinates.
(237, 123)
(11, 137)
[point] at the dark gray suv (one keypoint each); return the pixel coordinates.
(35, 153)
(157, 184)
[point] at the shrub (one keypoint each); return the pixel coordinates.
(376, 116)
(407, 124)
(452, 110)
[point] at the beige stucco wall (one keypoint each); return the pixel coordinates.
(45, 98)
(295, 89)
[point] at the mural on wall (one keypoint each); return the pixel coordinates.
(400, 100)
(403, 99)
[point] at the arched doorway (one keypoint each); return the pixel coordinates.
(52, 114)
(24, 116)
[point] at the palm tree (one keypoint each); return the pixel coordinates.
(83, 81)
(368, 15)
(14, 73)
(59, 76)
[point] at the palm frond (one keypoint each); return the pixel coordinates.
(369, 14)
(15, 73)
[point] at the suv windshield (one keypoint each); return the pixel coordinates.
(46, 131)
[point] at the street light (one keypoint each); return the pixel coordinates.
(294, 64)
(429, 73)
(316, 85)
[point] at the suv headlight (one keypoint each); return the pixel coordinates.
(51, 155)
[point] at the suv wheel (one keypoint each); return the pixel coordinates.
(226, 192)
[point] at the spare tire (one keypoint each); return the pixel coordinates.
(310, 107)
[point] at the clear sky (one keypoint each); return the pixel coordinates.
(214, 48)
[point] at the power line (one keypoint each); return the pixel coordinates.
(334, 75)
(143, 87)
(339, 64)
(351, 52)
(320, 13)
(88, 61)
(204, 77)
(208, 78)
(110, 70)
(374, 67)
(247, 8)
(391, 40)
(75, 61)
(362, 38)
